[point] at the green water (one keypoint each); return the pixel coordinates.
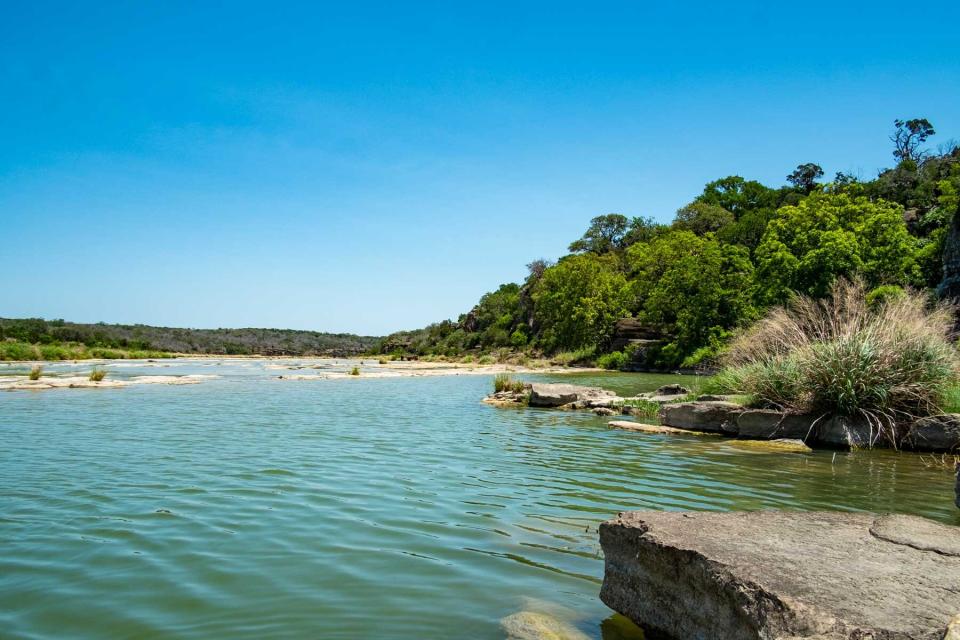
(251, 507)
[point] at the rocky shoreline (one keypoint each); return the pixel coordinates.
(717, 415)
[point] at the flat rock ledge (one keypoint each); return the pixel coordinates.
(783, 575)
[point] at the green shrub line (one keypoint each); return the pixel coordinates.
(14, 351)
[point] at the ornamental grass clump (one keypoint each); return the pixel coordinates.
(503, 382)
(885, 363)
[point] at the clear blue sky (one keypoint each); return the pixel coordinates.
(369, 167)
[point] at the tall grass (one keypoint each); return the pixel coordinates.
(35, 372)
(884, 363)
(503, 382)
(98, 374)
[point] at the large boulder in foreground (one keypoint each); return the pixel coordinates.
(768, 424)
(557, 395)
(780, 574)
(713, 416)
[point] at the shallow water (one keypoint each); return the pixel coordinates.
(250, 507)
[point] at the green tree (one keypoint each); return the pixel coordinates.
(695, 288)
(604, 235)
(908, 136)
(578, 300)
(827, 235)
(804, 177)
(702, 218)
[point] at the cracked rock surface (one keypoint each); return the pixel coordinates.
(781, 574)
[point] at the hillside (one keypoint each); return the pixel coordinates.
(246, 341)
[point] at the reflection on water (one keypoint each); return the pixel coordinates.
(253, 507)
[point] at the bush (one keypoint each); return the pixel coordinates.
(98, 374)
(580, 356)
(18, 351)
(36, 372)
(615, 360)
(355, 371)
(885, 363)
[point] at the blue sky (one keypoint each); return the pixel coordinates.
(369, 167)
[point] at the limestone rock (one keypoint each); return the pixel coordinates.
(767, 423)
(604, 411)
(781, 445)
(653, 428)
(935, 433)
(556, 395)
(847, 433)
(533, 625)
(702, 416)
(671, 390)
(771, 574)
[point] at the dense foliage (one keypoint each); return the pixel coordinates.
(33, 338)
(738, 249)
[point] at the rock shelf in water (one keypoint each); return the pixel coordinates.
(776, 574)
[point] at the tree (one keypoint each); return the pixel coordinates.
(908, 136)
(702, 218)
(604, 234)
(695, 288)
(739, 196)
(804, 177)
(827, 235)
(578, 301)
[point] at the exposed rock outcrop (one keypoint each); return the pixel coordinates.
(767, 423)
(765, 575)
(557, 395)
(702, 416)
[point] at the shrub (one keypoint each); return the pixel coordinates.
(382, 361)
(98, 374)
(580, 356)
(615, 360)
(885, 363)
(355, 371)
(36, 372)
(18, 351)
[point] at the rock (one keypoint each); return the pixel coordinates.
(956, 488)
(781, 445)
(846, 433)
(533, 625)
(935, 433)
(671, 390)
(604, 411)
(710, 397)
(767, 423)
(953, 629)
(772, 574)
(555, 395)
(702, 416)
(653, 428)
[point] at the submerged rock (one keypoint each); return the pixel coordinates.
(771, 574)
(533, 625)
(780, 445)
(719, 417)
(935, 433)
(557, 395)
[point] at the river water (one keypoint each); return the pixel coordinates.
(253, 507)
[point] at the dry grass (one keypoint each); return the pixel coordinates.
(884, 363)
(35, 372)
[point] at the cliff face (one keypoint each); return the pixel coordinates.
(950, 286)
